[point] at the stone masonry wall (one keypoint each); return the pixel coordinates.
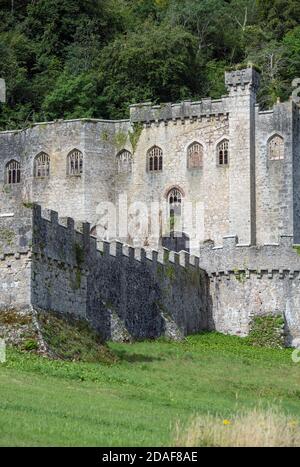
(127, 293)
(274, 178)
(15, 258)
(252, 281)
(123, 293)
(252, 197)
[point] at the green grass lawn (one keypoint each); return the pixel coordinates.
(137, 401)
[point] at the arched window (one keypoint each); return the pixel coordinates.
(155, 159)
(124, 161)
(195, 156)
(75, 162)
(276, 148)
(42, 165)
(175, 202)
(13, 172)
(223, 152)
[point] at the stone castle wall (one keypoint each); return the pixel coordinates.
(253, 197)
(249, 281)
(15, 258)
(124, 291)
(120, 290)
(127, 293)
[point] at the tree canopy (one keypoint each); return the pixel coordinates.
(93, 58)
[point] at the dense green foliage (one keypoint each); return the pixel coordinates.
(138, 400)
(92, 58)
(267, 331)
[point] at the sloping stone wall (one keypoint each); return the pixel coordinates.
(121, 291)
(128, 293)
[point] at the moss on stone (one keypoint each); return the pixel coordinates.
(193, 276)
(170, 272)
(134, 135)
(28, 205)
(79, 254)
(243, 66)
(7, 236)
(166, 256)
(297, 249)
(105, 136)
(240, 276)
(120, 139)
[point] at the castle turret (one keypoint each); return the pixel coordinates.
(242, 86)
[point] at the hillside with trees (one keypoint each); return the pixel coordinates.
(93, 58)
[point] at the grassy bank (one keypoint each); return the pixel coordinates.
(138, 400)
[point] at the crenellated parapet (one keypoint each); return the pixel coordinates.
(149, 293)
(66, 241)
(115, 286)
(232, 258)
(63, 240)
(242, 79)
(147, 113)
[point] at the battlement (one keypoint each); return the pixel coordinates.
(247, 78)
(58, 237)
(229, 260)
(232, 257)
(104, 281)
(61, 238)
(148, 113)
(120, 289)
(206, 108)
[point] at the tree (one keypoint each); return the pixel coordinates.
(158, 64)
(279, 16)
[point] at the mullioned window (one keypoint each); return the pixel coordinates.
(276, 148)
(124, 162)
(155, 159)
(42, 165)
(195, 156)
(13, 172)
(75, 163)
(223, 153)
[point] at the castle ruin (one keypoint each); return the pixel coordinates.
(241, 165)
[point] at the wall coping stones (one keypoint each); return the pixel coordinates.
(229, 256)
(205, 108)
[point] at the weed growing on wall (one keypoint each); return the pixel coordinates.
(267, 331)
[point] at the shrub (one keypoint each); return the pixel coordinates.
(267, 331)
(30, 345)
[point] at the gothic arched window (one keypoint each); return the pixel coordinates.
(42, 165)
(155, 159)
(13, 172)
(195, 156)
(175, 206)
(124, 161)
(276, 148)
(223, 152)
(75, 162)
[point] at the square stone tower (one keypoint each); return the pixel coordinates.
(242, 86)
